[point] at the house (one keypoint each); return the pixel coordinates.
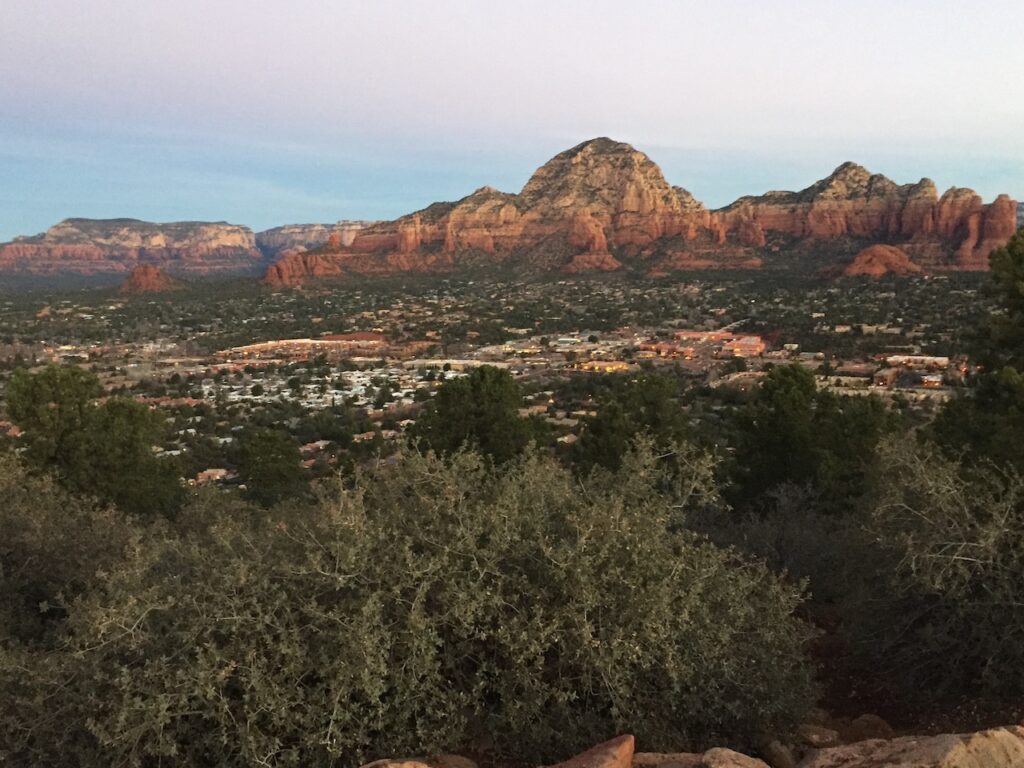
(316, 446)
(886, 377)
(745, 346)
(605, 366)
(702, 336)
(533, 410)
(213, 475)
(918, 361)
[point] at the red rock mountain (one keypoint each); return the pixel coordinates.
(879, 260)
(147, 278)
(197, 249)
(603, 205)
(956, 230)
(113, 246)
(300, 237)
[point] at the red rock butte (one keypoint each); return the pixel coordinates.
(604, 206)
(879, 260)
(147, 278)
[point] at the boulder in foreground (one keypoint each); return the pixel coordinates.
(995, 748)
(617, 753)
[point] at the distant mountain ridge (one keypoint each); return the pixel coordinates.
(599, 206)
(604, 206)
(186, 248)
(290, 237)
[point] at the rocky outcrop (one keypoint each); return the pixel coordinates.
(617, 753)
(586, 209)
(880, 260)
(116, 246)
(441, 761)
(995, 748)
(303, 237)
(666, 760)
(956, 230)
(147, 278)
(603, 205)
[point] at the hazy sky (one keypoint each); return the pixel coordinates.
(265, 112)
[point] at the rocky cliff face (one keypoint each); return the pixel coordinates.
(603, 205)
(302, 237)
(146, 278)
(600, 206)
(586, 209)
(113, 246)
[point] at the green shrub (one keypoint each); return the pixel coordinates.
(439, 604)
(797, 534)
(479, 411)
(945, 614)
(54, 548)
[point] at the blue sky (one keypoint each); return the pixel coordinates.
(316, 110)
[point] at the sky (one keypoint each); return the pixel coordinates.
(282, 111)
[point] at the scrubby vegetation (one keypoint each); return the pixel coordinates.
(488, 589)
(431, 604)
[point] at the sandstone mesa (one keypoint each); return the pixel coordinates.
(193, 249)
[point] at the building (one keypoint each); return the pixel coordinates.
(745, 346)
(605, 366)
(214, 475)
(886, 377)
(918, 361)
(332, 345)
(706, 337)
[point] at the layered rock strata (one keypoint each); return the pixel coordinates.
(292, 238)
(116, 246)
(603, 205)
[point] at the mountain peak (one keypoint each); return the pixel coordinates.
(848, 181)
(600, 145)
(850, 171)
(599, 174)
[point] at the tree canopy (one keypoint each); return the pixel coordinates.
(100, 448)
(986, 424)
(1001, 341)
(481, 411)
(270, 465)
(792, 433)
(646, 404)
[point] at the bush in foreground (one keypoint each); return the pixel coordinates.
(438, 604)
(945, 612)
